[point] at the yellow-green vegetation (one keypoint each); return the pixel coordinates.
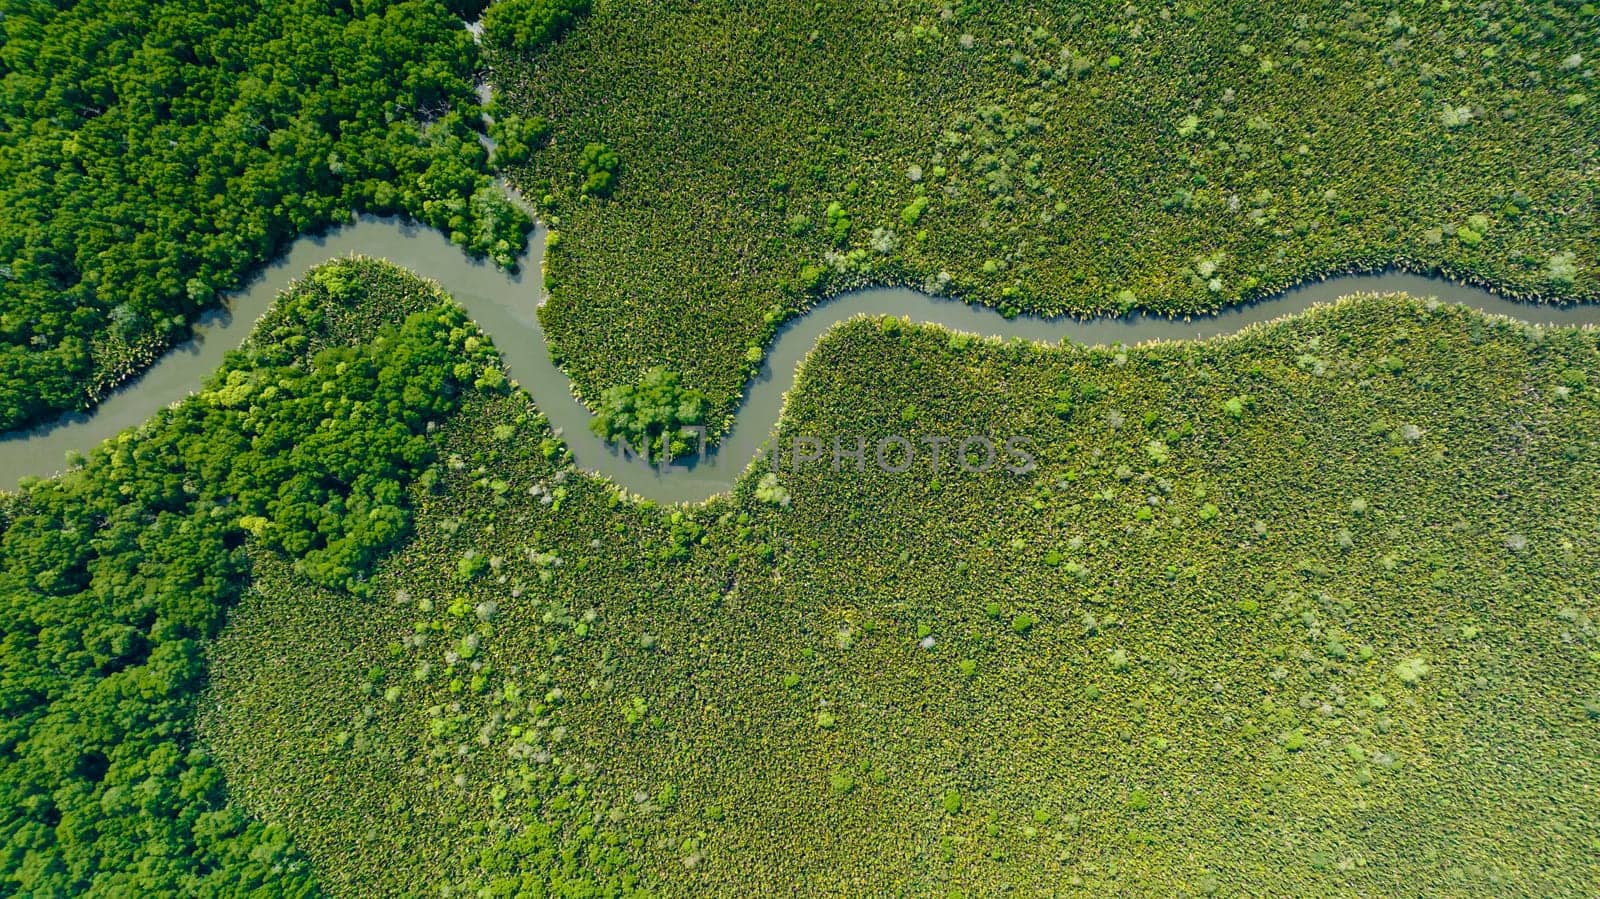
(1311, 610)
(1307, 611)
(1058, 157)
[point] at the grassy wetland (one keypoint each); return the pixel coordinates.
(1051, 158)
(1306, 610)
(1303, 611)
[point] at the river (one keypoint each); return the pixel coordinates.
(504, 307)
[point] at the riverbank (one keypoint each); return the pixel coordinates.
(506, 305)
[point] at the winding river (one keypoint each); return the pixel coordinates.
(504, 307)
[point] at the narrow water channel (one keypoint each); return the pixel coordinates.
(504, 307)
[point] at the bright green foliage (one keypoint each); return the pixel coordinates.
(153, 155)
(650, 415)
(528, 25)
(598, 165)
(775, 154)
(114, 577)
(951, 802)
(770, 490)
(1411, 671)
(516, 137)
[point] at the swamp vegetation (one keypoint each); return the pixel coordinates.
(1056, 158)
(1308, 609)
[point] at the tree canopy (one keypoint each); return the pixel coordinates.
(152, 155)
(114, 576)
(650, 415)
(528, 25)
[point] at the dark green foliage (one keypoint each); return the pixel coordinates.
(113, 578)
(467, 10)
(528, 25)
(650, 415)
(153, 155)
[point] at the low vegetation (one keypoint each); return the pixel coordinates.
(1311, 610)
(1308, 610)
(1305, 611)
(1066, 158)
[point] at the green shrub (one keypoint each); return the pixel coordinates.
(1294, 740)
(768, 490)
(1411, 671)
(597, 164)
(470, 566)
(838, 222)
(527, 25)
(515, 138)
(650, 415)
(913, 211)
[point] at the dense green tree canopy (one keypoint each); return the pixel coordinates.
(526, 26)
(153, 154)
(650, 415)
(113, 577)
